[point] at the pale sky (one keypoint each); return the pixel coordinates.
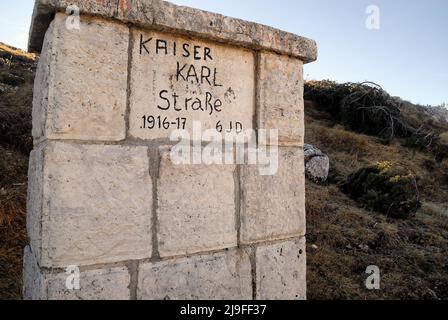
(407, 55)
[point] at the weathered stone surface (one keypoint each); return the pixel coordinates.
(178, 19)
(136, 10)
(97, 204)
(100, 284)
(285, 43)
(34, 199)
(42, 86)
(281, 105)
(81, 92)
(196, 207)
(273, 206)
(44, 11)
(202, 23)
(217, 80)
(32, 277)
(281, 271)
(218, 276)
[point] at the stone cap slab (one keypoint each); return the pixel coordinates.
(167, 17)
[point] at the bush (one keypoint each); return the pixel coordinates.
(384, 189)
(367, 108)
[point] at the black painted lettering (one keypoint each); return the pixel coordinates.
(175, 96)
(218, 105)
(186, 102)
(164, 98)
(205, 74)
(192, 74)
(143, 44)
(207, 54)
(215, 73)
(186, 47)
(179, 71)
(197, 105)
(161, 45)
(197, 56)
(239, 127)
(208, 100)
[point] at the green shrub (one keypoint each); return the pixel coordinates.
(384, 189)
(366, 108)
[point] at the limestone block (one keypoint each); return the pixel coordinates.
(96, 205)
(81, 81)
(196, 207)
(34, 199)
(106, 8)
(41, 87)
(281, 271)
(207, 24)
(281, 104)
(225, 275)
(162, 15)
(102, 284)
(32, 277)
(44, 12)
(175, 81)
(273, 206)
(136, 11)
(285, 43)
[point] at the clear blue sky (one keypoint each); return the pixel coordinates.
(407, 55)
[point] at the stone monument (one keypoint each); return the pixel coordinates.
(111, 214)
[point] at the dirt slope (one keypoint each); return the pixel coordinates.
(411, 254)
(17, 70)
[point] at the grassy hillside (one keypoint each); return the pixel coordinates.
(411, 253)
(17, 70)
(343, 237)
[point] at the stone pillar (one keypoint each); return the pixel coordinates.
(107, 202)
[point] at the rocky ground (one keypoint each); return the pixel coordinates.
(343, 237)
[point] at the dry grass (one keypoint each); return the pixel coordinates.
(339, 140)
(15, 53)
(12, 240)
(16, 83)
(444, 138)
(410, 253)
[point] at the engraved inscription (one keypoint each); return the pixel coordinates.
(175, 81)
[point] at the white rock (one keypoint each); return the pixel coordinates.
(317, 164)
